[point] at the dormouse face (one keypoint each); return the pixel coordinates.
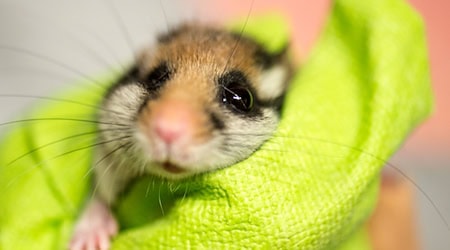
(203, 99)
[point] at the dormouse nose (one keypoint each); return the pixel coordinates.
(172, 120)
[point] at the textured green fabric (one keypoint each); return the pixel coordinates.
(365, 86)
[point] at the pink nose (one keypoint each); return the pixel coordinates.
(171, 122)
(169, 132)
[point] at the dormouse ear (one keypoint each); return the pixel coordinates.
(276, 73)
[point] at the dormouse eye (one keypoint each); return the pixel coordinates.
(238, 97)
(157, 77)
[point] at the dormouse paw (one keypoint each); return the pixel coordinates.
(95, 228)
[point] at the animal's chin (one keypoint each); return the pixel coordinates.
(171, 171)
(172, 168)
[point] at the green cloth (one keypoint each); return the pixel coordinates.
(312, 186)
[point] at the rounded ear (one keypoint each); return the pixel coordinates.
(276, 77)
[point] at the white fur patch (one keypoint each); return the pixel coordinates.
(272, 82)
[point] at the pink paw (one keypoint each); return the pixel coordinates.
(94, 229)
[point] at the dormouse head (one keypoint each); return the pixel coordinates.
(203, 98)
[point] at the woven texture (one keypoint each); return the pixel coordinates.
(312, 186)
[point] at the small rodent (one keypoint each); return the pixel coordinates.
(202, 99)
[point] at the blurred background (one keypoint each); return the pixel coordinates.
(45, 46)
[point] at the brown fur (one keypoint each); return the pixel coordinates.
(223, 52)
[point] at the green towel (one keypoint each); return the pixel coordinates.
(312, 186)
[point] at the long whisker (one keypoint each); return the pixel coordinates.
(267, 148)
(125, 146)
(385, 162)
(163, 10)
(185, 192)
(174, 187)
(362, 151)
(109, 49)
(250, 134)
(91, 52)
(65, 154)
(96, 107)
(90, 146)
(49, 144)
(18, 70)
(95, 55)
(54, 62)
(57, 142)
(160, 201)
(423, 192)
(121, 24)
(74, 37)
(241, 33)
(60, 119)
(109, 154)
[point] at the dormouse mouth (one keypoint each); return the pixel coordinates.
(172, 168)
